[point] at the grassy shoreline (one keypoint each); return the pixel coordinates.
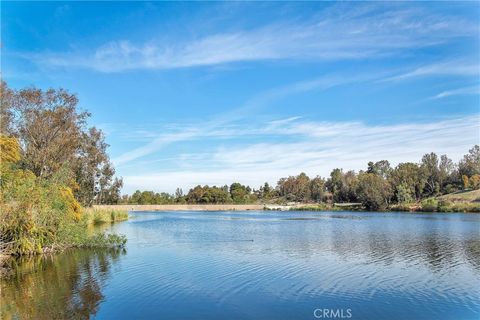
(77, 236)
(463, 201)
(435, 206)
(412, 207)
(97, 215)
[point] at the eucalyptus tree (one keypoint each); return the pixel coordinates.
(54, 137)
(374, 191)
(470, 164)
(342, 185)
(407, 180)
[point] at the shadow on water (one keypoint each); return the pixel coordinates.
(64, 286)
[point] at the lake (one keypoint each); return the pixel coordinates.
(261, 265)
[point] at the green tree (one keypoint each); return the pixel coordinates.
(266, 192)
(295, 188)
(317, 189)
(343, 185)
(94, 172)
(446, 173)
(470, 164)
(381, 168)
(431, 173)
(239, 193)
(135, 198)
(111, 195)
(373, 191)
(403, 193)
(208, 195)
(408, 175)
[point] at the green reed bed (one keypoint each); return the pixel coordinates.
(98, 216)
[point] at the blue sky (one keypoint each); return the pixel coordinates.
(210, 92)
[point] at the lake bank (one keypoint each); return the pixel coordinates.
(463, 201)
(222, 207)
(181, 207)
(416, 207)
(79, 235)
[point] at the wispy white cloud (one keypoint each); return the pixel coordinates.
(473, 90)
(449, 68)
(318, 148)
(363, 31)
(156, 144)
(224, 124)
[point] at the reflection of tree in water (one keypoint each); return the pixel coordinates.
(437, 251)
(63, 286)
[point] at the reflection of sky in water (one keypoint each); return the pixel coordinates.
(274, 265)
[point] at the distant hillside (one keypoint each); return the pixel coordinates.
(462, 196)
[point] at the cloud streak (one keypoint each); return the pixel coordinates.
(366, 31)
(223, 124)
(450, 68)
(473, 90)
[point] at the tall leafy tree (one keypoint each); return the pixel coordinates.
(53, 135)
(470, 164)
(317, 189)
(431, 173)
(373, 191)
(295, 188)
(342, 185)
(239, 192)
(266, 192)
(447, 174)
(381, 168)
(409, 176)
(208, 195)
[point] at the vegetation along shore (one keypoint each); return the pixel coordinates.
(54, 168)
(435, 183)
(462, 201)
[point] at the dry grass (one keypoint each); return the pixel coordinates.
(462, 196)
(96, 216)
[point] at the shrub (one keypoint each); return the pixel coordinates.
(444, 206)
(430, 205)
(314, 207)
(38, 213)
(402, 207)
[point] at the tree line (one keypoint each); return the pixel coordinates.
(376, 188)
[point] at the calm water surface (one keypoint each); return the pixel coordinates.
(261, 265)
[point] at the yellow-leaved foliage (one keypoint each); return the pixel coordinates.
(34, 212)
(73, 209)
(9, 149)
